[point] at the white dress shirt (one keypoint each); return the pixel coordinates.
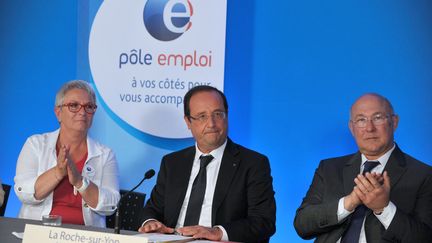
(39, 155)
(212, 175)
(389, 212)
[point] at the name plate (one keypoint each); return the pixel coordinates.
(47, 234)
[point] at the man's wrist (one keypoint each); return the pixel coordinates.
(224, 234)
(379, 211)
(148, 220)
(348, 204)
(387, 215)
(218, 232)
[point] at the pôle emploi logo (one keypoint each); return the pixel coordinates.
(166, 20)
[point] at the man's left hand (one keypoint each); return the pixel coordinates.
(374, 194)
(201, 232)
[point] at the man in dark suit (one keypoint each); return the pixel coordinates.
(392, 203)
(238, 199)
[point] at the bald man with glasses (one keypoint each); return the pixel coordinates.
(379, 194)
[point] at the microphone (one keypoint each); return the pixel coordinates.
(149, 174)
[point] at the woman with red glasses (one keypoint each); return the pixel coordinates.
(65, 172)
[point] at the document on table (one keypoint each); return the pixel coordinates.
(19, 235)
(156, 237)
(159, 238)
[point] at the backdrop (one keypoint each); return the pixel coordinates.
(292, 70)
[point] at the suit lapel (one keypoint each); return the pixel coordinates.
(183, 169)
(229, 165)
(396, 166)
(373, 228)
(350, 171)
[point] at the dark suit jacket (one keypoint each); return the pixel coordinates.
(411, 192)
(243, 201)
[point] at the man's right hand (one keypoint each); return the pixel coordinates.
(351, 201)
(154, 226)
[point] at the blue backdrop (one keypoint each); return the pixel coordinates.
(292, 70)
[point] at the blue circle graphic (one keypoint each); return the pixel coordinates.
(177, 20)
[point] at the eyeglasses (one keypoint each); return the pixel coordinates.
(217, 115)
(76, 107)
(377, 120)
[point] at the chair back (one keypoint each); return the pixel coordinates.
(130, 209)
(6, 189)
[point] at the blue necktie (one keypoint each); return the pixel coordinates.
(196, 198)
(352, 234)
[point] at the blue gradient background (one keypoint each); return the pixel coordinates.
(292, 70)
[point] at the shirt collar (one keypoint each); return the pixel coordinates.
(383, 159)
(216, 153)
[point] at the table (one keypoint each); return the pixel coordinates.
(8, 225)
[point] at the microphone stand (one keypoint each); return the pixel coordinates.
(149, 174)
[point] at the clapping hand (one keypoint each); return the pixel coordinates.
(373, 189)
